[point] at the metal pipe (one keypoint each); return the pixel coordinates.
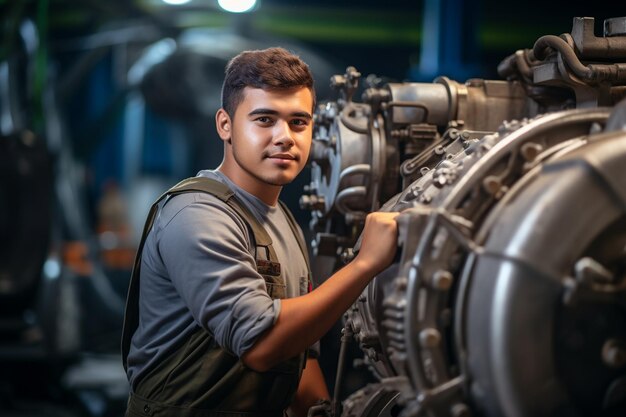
(594, 73)
(346, 335)
(357, 169)
(357, 191)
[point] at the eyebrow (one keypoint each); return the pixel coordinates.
(302, 114)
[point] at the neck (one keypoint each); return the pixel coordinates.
(267, 193)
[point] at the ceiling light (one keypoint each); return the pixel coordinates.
(237, 6)
(176, 2)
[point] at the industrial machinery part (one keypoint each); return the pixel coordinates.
(25, 186)
(25, 213)
(509, 294)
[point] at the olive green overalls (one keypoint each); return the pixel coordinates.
(199, 378)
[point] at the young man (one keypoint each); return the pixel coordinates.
(221, 296)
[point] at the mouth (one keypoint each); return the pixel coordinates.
(283, 156)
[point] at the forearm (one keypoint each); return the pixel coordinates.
(304, 320)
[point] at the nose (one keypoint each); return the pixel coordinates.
(283, 135)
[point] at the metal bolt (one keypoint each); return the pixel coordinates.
(312, 202)
(492, 184)
(425, 199)
(347, 255)
(613, 353)
(442, 280)
(430, 338)
(530, 151)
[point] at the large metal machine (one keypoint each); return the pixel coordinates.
(508, 295)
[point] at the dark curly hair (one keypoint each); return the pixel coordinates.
(268, 69)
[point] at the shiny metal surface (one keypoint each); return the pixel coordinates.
(507, 297)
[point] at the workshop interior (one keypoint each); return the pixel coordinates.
(498, 128)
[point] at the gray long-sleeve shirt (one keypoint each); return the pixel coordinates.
(198, 269)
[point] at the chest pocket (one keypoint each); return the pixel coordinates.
(274, 282)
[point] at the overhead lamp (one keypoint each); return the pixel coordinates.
(176, 2)
(237, 6)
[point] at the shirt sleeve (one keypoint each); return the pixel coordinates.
(206, 251)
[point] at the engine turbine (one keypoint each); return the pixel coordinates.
(508, 298)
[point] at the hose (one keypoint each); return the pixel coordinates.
(346, 335)
(593, 73)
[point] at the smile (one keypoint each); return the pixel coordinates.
(283, 157)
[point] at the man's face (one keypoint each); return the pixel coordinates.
(270, 136)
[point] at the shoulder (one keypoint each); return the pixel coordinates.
(199, 213)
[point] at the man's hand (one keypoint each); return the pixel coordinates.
(379, 241)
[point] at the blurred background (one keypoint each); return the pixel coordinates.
(106, 104)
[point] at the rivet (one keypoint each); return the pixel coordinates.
(430, 338)
(442, 280)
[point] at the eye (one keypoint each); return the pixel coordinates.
(264, 120)
(300, 122)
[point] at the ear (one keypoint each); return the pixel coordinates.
(223, 124)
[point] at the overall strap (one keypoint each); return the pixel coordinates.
(295, 229)
(221, 191)
(195, 184)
